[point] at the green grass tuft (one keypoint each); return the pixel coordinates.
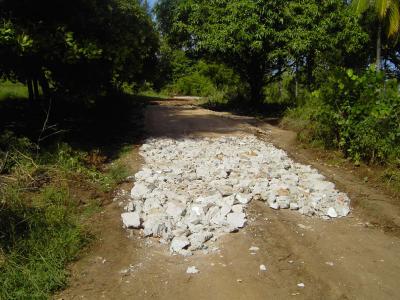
(10, 90)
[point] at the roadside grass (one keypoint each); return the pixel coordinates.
(11, 90)
(154, 94)
(50, 191)
(42, 215)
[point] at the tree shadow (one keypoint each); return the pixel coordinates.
(271, 113)
(108, 124)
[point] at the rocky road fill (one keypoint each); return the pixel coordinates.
(194, 190)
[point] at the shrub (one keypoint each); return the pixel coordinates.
(216, 82)
(359, 114)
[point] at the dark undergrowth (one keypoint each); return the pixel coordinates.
(54, 175)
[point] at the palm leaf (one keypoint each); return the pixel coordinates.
(381, 7)
(360, 6)
(393, 15)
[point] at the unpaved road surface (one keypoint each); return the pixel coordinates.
(341, 259)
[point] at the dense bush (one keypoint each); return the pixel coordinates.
(359, 114)
(215, 81)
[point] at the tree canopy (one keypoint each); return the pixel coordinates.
(80, 46)
(263, 39)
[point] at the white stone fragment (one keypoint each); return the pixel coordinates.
(192, 270)
(131, 220)
(263, 268)
(236, 220)
(332, 212)
(175, 209)
(243, 198)
(274, 205)
(178, 243)
(254, 248)
(139, 191)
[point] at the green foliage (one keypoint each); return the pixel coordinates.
(10, 90)
(282, 91)
(214, 81)
(77, 48)
(262, 40)
(242, 34)
(38, 238)
(40, 217)
(359, 114)
(387, 11)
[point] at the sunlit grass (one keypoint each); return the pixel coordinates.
(11, 90)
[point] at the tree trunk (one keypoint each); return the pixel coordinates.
(296, 82)
(379, 48)
(255, 78)
(44, 84)
(30, 89)
(310, 69)
(36, 89)
(256, 90)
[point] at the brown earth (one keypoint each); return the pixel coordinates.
(357, 257)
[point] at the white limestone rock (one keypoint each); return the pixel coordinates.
(236, 220)
(331, 213)
(192, 270)
(131, 220)
(175, 209)
(243, 198)
(139, 191)
(191, 186)
(178, 243)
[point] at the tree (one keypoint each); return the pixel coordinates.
(262, 40)
(243, 34)
(321, 36)
(387, 13)
(79, 47)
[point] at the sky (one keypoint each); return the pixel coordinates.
(151, 2)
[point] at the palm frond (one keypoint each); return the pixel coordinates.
(360, 6)
(381, 7)
(393, 14)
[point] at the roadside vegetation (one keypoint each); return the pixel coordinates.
(67, 111)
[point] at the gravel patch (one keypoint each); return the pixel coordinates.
(191, 191)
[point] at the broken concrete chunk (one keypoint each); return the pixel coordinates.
(139, 191)
(253, 248)
(274, 205)
(332, 212)
(263, 268)
(178, 243)
(175, 209)
(131, 220)
(192, 270)
(243, 198)
(236, 220)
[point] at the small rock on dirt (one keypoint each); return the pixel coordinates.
(192, 270)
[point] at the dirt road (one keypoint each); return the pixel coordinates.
(340, 259)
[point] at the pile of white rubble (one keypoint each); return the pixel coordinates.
(192, 190)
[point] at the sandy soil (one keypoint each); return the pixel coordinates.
(351, 258)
